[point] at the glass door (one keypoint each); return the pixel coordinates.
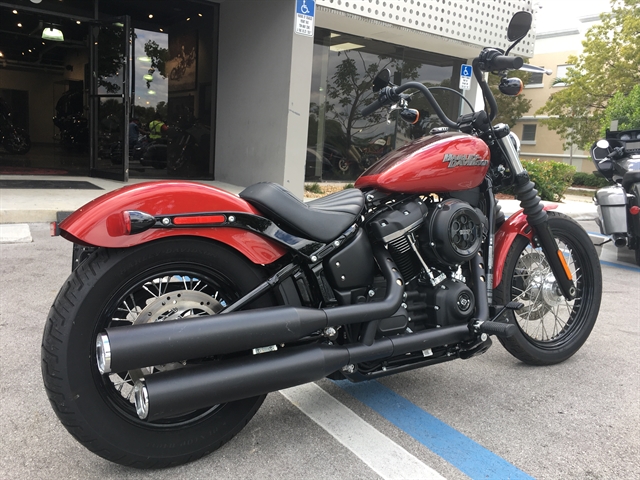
(109, 98)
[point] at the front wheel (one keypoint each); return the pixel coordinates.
(550, 327)
(166, 280)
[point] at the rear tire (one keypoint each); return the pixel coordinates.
(120, 287)
(550, 328)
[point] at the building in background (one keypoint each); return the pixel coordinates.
(552, 49)
(250, 91)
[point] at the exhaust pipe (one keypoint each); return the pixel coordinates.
(137, 346)
(176, 392)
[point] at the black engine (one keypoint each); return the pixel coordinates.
(432, 242)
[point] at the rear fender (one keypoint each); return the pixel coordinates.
(515, 225)
(93, 224)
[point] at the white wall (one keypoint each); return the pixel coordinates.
(264, 73)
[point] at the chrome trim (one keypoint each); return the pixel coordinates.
(141, 396)
(103, 353)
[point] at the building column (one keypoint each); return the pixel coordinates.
(264, 83)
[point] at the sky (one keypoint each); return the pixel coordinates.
(564, 14)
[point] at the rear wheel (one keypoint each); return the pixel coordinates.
(550, 327)
(166, 280)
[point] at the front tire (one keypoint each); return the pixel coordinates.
(550, 328)
(130, 286)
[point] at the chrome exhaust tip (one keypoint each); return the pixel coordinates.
(103, 353)
(141, 396)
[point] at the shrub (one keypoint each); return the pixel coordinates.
(552, 179)
(348, 185)
(313, 188)
(584, 179)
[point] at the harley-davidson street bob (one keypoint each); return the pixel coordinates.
(187, 304)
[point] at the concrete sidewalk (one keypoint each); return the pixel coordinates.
(22, 206)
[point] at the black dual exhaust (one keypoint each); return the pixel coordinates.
(175, 392)
(180, 391)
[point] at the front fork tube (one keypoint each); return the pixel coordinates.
(537, 217)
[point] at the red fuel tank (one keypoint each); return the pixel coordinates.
(446, 162)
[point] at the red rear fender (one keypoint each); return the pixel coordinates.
(93, 224)
(515, 225)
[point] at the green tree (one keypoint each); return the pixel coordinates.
(610, 63)
(625, 109)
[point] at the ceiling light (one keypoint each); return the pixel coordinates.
(20, 25)
(345, 46)
(36, 1)
(151, 15)
(78, 22)
(199, 14)
(161, 30)
(15, 12)
(53, 34)
(1, 54)
(188, 18)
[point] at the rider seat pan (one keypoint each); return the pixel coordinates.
(322, 220)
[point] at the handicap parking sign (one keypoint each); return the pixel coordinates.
(465, 76)
(305, 17)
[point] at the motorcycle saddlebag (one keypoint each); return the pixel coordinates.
(612, 209)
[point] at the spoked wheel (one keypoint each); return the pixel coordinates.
(162, 281)
(551, 328)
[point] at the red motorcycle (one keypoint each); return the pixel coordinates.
(188, 304)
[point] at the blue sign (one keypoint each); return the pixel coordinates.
(306, 7)
(465, 76)
(465, 70)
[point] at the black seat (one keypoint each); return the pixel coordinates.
(322, 220)
(629, 179)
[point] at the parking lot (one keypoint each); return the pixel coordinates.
(488, 417)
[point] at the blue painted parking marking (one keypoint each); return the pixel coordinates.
(459, 450)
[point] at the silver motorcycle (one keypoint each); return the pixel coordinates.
(617, 158)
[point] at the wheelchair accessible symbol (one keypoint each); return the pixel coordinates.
(305, 17)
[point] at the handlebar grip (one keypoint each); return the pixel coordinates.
(369, 109)
(504, 62)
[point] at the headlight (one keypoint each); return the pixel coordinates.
(515, 140)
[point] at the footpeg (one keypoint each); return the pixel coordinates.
(498, 329)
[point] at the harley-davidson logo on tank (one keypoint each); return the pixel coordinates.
(446, 162)
(464, 161)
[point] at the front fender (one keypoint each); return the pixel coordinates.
(515, 225)
(89, 225)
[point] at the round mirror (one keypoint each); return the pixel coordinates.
(519, 26)
(382, 79)
(602, 144)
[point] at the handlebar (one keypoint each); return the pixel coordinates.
(490, 59)
(369, 109)
(503, 62)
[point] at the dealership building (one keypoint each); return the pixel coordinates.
(238, 91)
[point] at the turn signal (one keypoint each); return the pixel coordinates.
(410, 115)
(511, 86)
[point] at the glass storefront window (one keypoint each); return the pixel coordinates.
(341, 143)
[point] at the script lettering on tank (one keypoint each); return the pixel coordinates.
(464, 160)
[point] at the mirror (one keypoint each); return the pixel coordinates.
(602, 144)
(381, 80)
(519, 26)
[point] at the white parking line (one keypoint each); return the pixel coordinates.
(384, 456)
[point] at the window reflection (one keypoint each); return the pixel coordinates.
(341, 143)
